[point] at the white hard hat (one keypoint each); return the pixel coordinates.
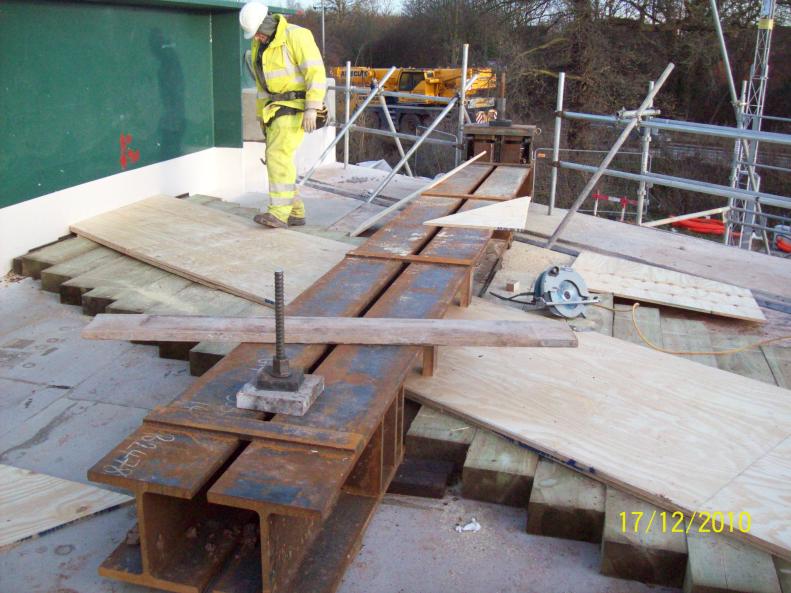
(251, 16)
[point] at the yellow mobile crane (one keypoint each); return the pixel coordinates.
(408, 113)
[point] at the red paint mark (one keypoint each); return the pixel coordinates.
(127, 154)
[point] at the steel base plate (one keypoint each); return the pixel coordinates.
(294, 403)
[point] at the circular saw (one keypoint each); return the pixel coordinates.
(561, 290)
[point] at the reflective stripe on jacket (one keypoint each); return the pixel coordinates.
(291, 62)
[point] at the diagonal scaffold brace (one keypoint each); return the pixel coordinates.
(634, 121)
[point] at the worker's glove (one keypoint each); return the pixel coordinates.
(309, 120)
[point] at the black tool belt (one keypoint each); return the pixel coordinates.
(283, 111)
(290, 96)
(321, 116)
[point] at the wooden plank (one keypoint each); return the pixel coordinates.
(203, 245)
(680, 217)
(680, 435)
(631, 280)
(510, 215)
(639, 544)
(201, 199)
(750, 363)
(503, 181)
(331, 330)
(680, 334)
(33, 262)
(457, 196)
(648, 321)
(565, 504)
(783, 573)
(32, 504)
(222, 205)
(718, 564)
(205, 355)
(496, 470)
(599, 318)
(436, 435)
(107, 282)
(197, 299)
(159, 293)
(779, 360)
(428, 478)
(54, 276)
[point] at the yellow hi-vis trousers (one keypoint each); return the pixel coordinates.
(283, 136)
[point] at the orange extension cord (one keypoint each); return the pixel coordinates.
(649, 343)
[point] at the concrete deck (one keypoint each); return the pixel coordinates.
(65, 401)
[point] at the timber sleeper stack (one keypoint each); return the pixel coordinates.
(232, 501)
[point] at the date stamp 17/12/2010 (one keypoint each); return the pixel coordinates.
(678, 522)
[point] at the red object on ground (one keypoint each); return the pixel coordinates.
(704, 226)
(783, 244)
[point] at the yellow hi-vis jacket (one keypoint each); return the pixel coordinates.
(291, 62)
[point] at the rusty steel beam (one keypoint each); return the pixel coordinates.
(232, 500)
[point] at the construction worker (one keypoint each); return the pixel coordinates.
(291, 84)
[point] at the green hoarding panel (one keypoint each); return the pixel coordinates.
(88, 90)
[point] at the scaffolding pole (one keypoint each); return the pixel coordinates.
(412, 150)
(465, 54)
(610, 155)
(645, 145)
(703, 187)
(391, 125)
(553, 185)
(345, 130)
(403, 136)
(348, 111)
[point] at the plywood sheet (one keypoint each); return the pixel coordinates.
(683, 253)
(214, 248)
(678, 434)
(510, 215)
(32, 503)
(650, 284)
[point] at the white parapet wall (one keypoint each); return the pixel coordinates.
(222, 172)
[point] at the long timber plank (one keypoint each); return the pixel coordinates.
(53, 276)
(362, 388)
(108, 281)
(332, 330)
(678, 434)
(34, 262)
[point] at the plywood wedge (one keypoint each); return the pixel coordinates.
(510, 215)
(214, 248)
(650, 284)
(33, 503)
(675, 433)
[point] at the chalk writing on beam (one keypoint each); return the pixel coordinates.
(135, 452)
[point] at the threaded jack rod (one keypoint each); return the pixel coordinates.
(280, 325)
(280, 366)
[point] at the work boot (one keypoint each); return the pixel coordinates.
(296, 221)
(270, 220)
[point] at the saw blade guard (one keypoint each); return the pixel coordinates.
(562, 288)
